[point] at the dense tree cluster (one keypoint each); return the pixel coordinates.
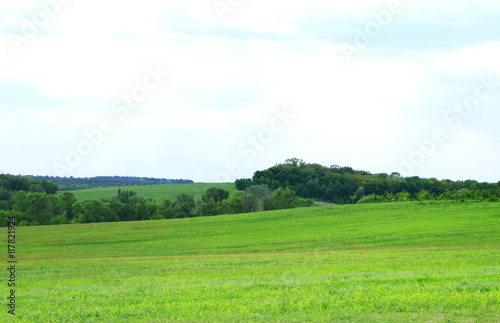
(40, 208)
(462, 195)
(288, 185)
(9, 184)
(344, 185)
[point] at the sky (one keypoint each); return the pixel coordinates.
(215, 90)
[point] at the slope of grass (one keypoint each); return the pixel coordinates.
(157, 192)
(378, 262)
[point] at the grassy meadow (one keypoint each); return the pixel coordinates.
(157, 192)
(390, 262)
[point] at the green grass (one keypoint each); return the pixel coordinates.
(157, 192)
(388, 262)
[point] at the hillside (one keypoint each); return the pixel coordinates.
(374, 226)
(377, 262)
(157, 192)
(78, 183)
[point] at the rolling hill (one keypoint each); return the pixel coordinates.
(157, 192)
(394, 262)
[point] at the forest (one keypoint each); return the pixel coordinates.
(31, 204)
(291, 184)
(344, 185)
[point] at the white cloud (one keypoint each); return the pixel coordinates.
(226, 76)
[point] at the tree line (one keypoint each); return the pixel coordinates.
(10, 184)
(343, 185)
(74, 183)
(291, 184)
(36, 207)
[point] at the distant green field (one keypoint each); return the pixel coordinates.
(390, 262)
(157, 192)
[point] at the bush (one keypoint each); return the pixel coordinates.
(255, 198)
(306, 202)
(372, 198)
(24, 223)
(283, 199)
(59, 219)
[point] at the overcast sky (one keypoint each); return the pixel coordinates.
(213, 91)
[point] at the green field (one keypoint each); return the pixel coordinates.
(390, 262)
(157, 192)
